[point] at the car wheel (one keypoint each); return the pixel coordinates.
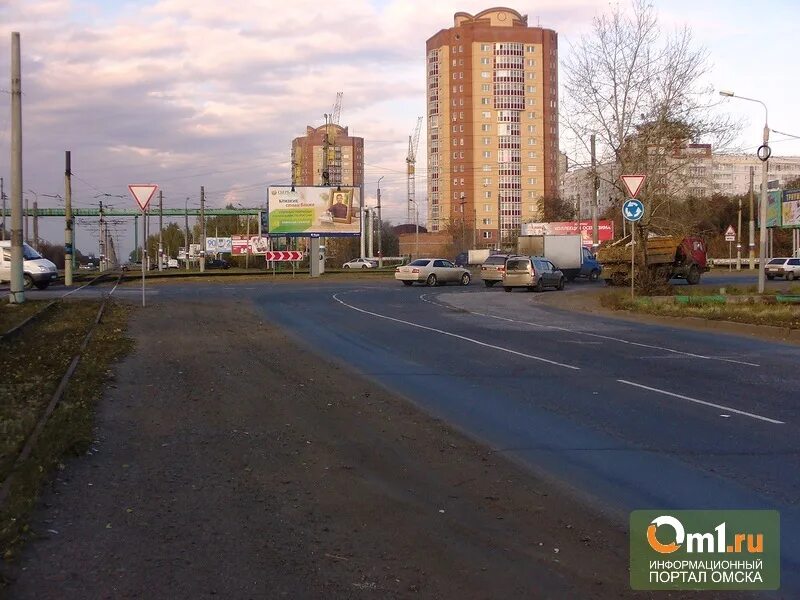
(431, 280)
(346, 266)
(42, 285)
(770, 277)
(465, 279)
(506, 288)
(790, 276)
(594, 275)
(489, 283)
(693, 277)
(407, 282)
(560, 285)
(539, 287)
(27, 282)
(363, 266)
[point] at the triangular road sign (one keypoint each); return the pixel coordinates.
(730, 231)
(142, 193)
(633, 183)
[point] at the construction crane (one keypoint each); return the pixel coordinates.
(411, 160)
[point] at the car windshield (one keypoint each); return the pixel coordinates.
(777, 261)
(29, 253)
(419, 263)
(498, 259)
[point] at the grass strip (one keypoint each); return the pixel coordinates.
(32, 365)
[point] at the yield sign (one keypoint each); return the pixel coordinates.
(142, 193)
(633, 183)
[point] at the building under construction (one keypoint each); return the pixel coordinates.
(345, 160)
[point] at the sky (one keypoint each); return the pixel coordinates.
(185, 93)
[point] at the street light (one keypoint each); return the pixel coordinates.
(763, 155)
(416, 224)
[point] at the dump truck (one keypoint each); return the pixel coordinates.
(667, 256)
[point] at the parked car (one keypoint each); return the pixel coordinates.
(788, 268)
(462, 260)
(532, 272)
(432, 271)
(493, 268)
(217, 263)
(37, 271)
(172, 263)
(360, 263)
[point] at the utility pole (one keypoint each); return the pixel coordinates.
(3, 199)
(102, 241)
(17, 294)
(160, 227)
(752, 228)
(27, 221)
(69, 251)
(147, 236)
(595, 189)
(186, 216)
(380, 226)
(36, 225)
(247, 251)
(202, 229)
(739, 239)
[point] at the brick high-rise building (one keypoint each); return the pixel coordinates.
(492, 116)
(345, 157)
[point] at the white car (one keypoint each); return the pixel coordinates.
(359, 263)
(432, 271)
(788, 268)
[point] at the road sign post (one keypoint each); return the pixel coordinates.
(633, 211)
(730, 237)
(143, 193)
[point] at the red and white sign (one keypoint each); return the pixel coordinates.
(142, 193)
(633, 183)
(605, 230)
(239, 244)
(283, 255)
(730, 234)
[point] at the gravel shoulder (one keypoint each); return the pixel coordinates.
(229, 461)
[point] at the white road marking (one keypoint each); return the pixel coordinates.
(597, 335)
(454, 335)
(703, 402)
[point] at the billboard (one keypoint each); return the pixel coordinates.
(257, 244)
(217, 245)
(773, 208)
(790, 209)
(605, 230)
(321, 211)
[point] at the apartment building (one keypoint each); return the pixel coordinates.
(492, 123)
(345, 165)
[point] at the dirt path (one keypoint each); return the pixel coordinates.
(229, 462)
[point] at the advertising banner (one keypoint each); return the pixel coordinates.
(313, 210)
(605, 230)
(239, 245)
(773, 208)
(790, 209)
(217, 245)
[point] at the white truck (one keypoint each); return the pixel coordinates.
(478, 257)
(566, 252)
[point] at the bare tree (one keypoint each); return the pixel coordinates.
(638, 89)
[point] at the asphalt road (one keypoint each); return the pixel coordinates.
(625, 415)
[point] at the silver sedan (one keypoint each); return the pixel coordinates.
(432, 271)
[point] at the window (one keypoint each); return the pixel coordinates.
(461, 88)
(530, 48)
(487, 235)
(531, 180)
(484, 61)
(531, 62)
(461, 128)
(487, 207)
(461, 141)
(487, 141)
(487, 181)
(487, 154)
(460, 62)
(487, 221)
(455, 128)
(454, 62)
(487, 167)
(485, 47)
(486, 114)
(531, 128)
(485, 101)
(455, 180)
(462, 181)
(455, 154)
(531, 167)
(484, 74)
(486, 127)
(531, 115)
(531, 154)
(487, 195)
(531, 141)
(455, 75)
(531, 75)
(531, 207)
(461, 154)
(486, 87)
(530, 194)
(531, 89)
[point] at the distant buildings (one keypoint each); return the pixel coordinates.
(698, 173)
(345, 157)
(492, 122)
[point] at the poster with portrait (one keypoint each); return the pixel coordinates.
(303, 211)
